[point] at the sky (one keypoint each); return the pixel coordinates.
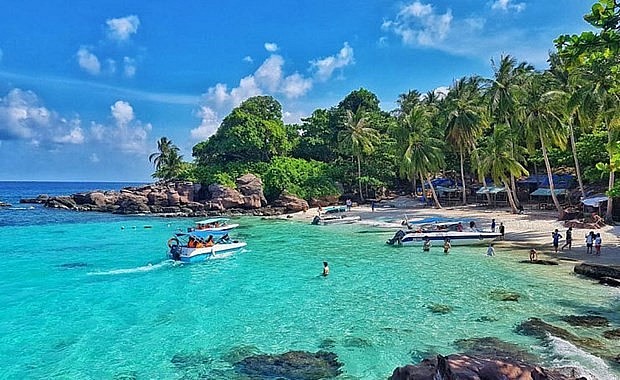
(88, 87)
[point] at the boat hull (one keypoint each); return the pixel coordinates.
(196, 255)
(226, 227)
(456, 238)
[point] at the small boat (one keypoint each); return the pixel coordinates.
(197, 246)
(335, 219)
(439, 232)
(215, 224)
(334, 209)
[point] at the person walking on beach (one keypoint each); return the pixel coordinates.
(556, 239)
(569, 239)
(325, 269)
(589, 242)
(446, 246)
(490, 250)
(492, 225)
(372, 206)
(349, 204)
(597, 244)
(502, 229)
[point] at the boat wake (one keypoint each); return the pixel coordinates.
(568, 355)
(142, 269)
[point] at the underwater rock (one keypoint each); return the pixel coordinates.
(504, 295)
(598, 271)
(493, 347)
(612, 334)
(540, 262)
(539, 328)
(357, 342)
(327, 344)
(190, 361)
(585, 320)
(130, 375)
(292, 365)
(438, 308)
(487, 318)
(236, 354)
(73, 265)
(609, 281)
(455, 367)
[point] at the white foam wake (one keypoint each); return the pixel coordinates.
(569, 355)
(145, 268)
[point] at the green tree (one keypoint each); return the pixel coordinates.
(167, 160)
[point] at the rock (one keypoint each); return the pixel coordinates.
(185, 191)
(598, 271)
(157, 198)
(440, 308)
(324, 201)
(130, 203)
(236, 354)
(63, 202)
(41, 199)
(174, 199)
(190, 361)
(293, 365)
(4, 204)
(540, 262)
(291, 203)
(609, 281)
(504, 295)
(252, 201)
(251, 186)
(225, 197)
(357, 342)
(612, 334)
(462, 367)
(493, 347)
(73, 265)
(539, 328)
(585, 320)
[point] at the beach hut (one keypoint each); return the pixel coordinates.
(495, 193)
(544, 200)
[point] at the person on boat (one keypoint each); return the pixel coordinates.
(191, 243)
(225, 239)
(199, 244)
(210, 242)
(472, 225)
(533, 255)
(325, 269)
(502, 230)
(490, 250)
(459, 227)
(446, 246)
(427, 244)
(492, 225)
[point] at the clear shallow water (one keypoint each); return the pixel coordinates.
(111, 313)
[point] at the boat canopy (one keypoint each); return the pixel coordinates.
(545, 192)
(490, 190)
(595, 200)
(212, 221)
(202, 234)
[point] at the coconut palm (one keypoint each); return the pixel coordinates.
(166, 160)
(496, 159)
(540, 111)
(464, 119)
(359, 139)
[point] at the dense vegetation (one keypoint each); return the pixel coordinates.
(486, 128)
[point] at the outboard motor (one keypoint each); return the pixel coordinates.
(397, 238)
(316, 220)
(175, 252)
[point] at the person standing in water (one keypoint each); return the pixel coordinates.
(490, 250)
(447, 246)
(427, 244)
(325, 269)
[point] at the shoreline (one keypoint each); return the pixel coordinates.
(532, 229)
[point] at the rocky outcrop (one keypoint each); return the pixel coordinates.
(460, 366)
(298, 365)
(290, 203)
(598, 271)
(226, 197)
(251, 187)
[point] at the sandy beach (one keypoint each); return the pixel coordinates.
(532, 229)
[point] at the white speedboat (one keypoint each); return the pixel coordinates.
(335, 219)
(197, 246)
(215, 224)
(439, 232)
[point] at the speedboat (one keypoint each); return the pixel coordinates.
(197, 246)
(335, 219)
(215, 224)
(439, 232)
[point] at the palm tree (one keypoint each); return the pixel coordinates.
(359, 139)
(464, 119)
(166, 160)
(541, 113)
(496, 159)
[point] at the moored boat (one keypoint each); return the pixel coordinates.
(215, 224)
(197, 246)
(335, 219)
(439, 232)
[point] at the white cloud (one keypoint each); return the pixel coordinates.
(325, 67)
(23, 117)
(88, 61)
(122, 112)
(110, 65)
(208, 125)
(271, 47)
(248, 59)
(94, 158)
(419, 24)
(129, 69)
(295, 85)
(121, 29)
(507, 5)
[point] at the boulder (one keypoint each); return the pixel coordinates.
(250, 185)
(185, 191)
(174, 199)
(130, 203)
(598, 271)
(298, 365)
(291, 203)
(539, 328)
(586, 320)
(64, 202)
(157, 198)
(99, 199)
(41, 199)
(252, 201)
(226, 197)
(324, 201)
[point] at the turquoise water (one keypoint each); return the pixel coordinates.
(121, 309)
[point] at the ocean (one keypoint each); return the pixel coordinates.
(93, 296)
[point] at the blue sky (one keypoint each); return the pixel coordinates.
(88, 87)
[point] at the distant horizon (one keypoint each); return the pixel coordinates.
(91, 94)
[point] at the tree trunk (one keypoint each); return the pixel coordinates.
(437, 204)
(423, 190)
(556, 202)
(511, 200)
(463, 179)
(514, 189)
(577, 170)
(610, 206)
(359, 177)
